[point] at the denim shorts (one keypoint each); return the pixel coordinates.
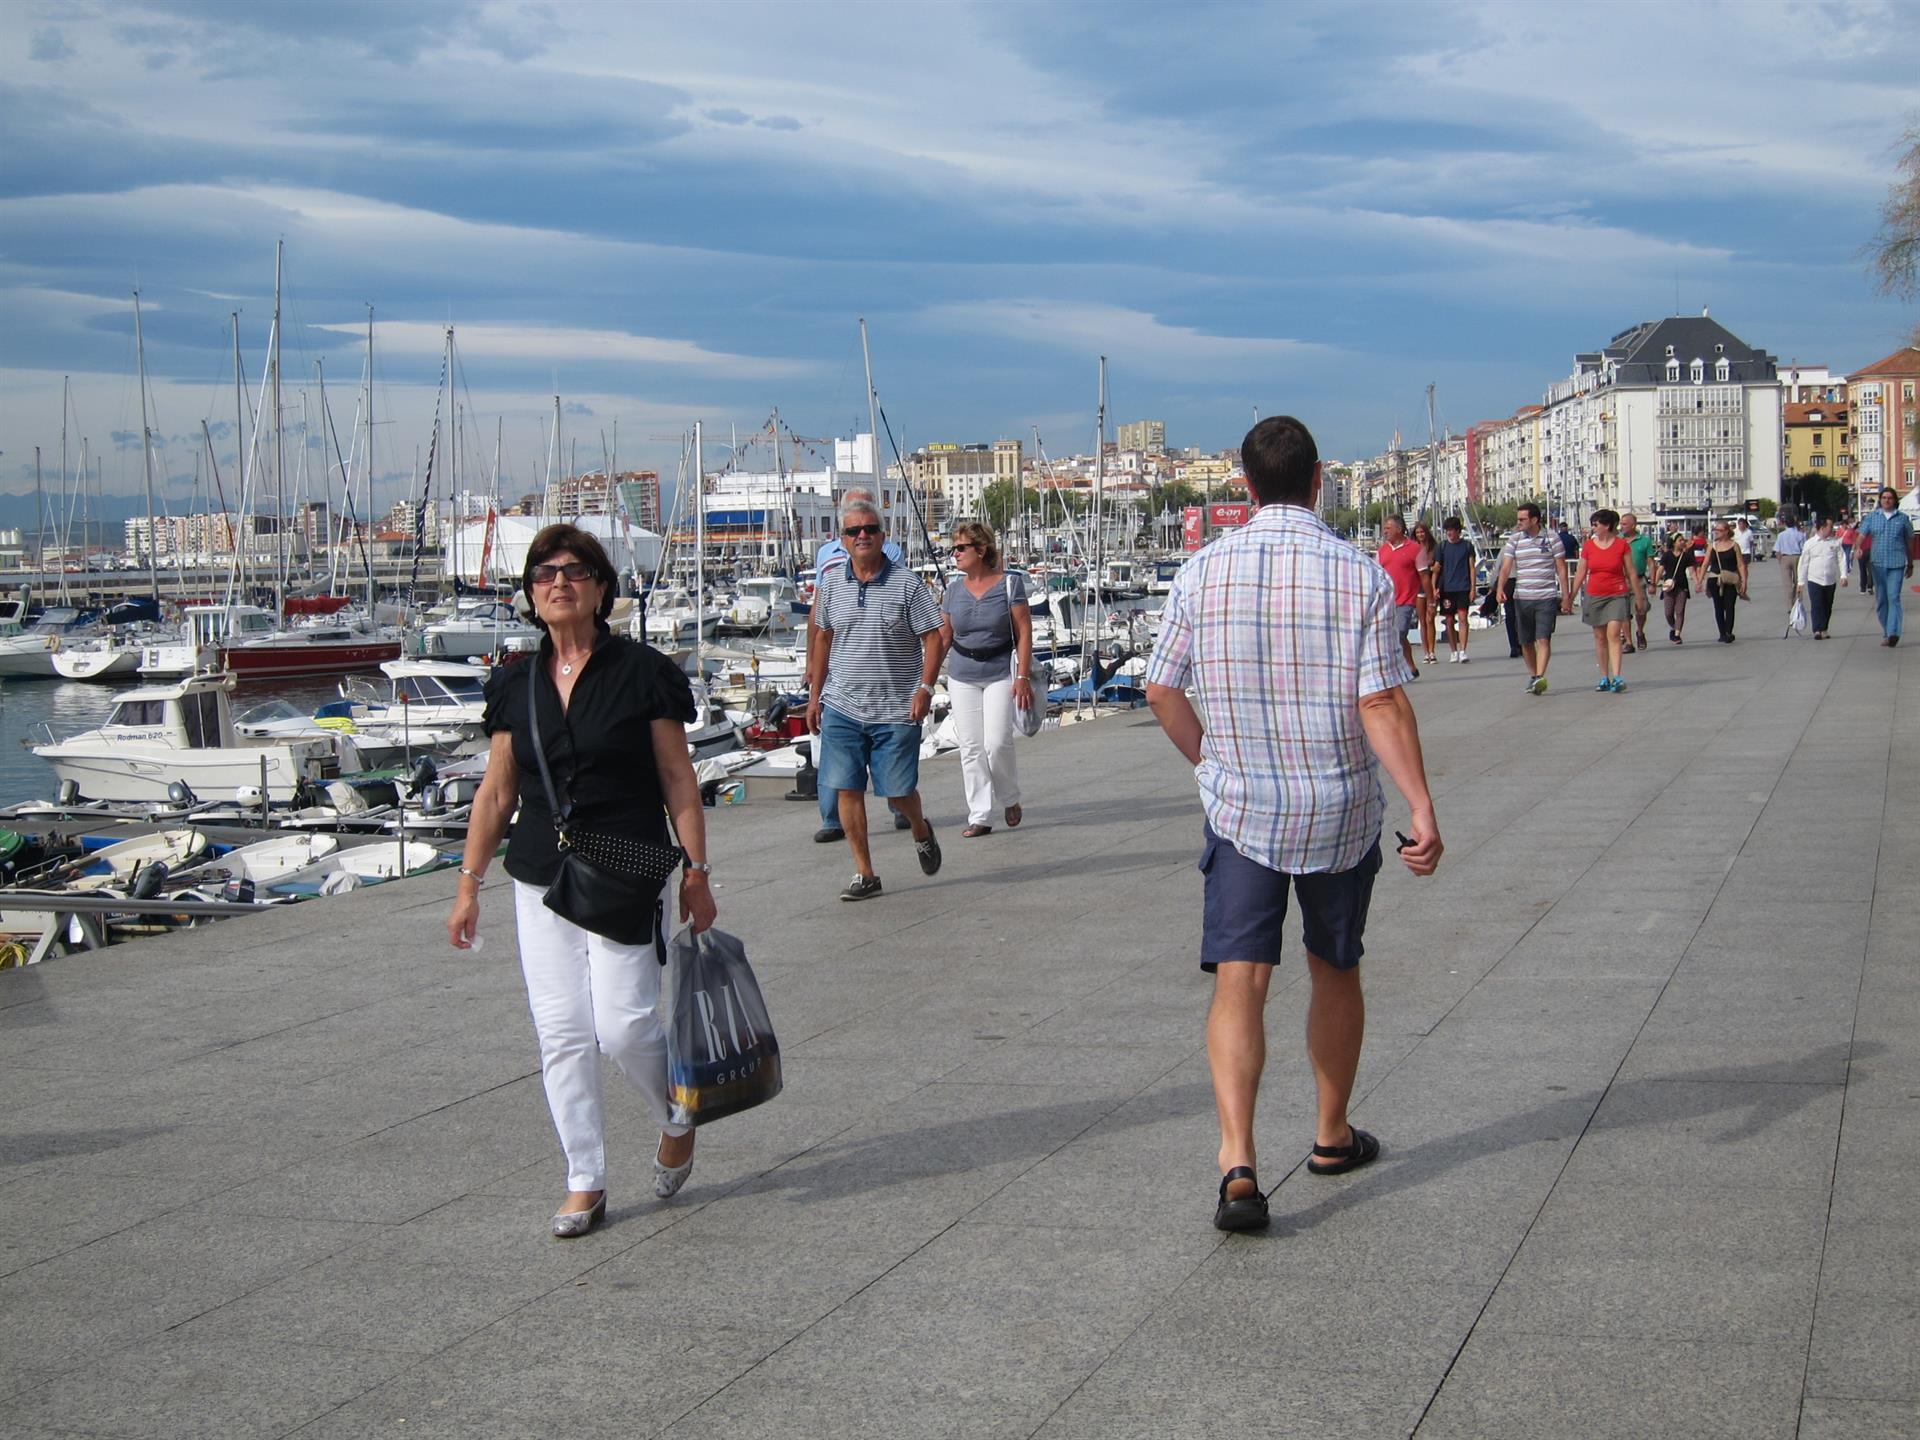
(1246, 904)
(1405, 617)
(851, 750)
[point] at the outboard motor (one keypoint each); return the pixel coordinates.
(147, 883)
(423, 774)
(180, 794)
(69, 793)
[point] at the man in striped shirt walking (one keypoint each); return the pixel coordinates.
(1538, 564)
(872, 657)
(1287, 636)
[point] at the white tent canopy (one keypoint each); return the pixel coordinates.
(628, 546)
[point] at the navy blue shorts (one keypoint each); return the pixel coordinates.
(1246, 904)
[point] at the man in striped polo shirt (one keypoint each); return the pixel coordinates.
(872, 657)
(1538, 564)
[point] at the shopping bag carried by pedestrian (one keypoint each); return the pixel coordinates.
(1796, 618)
(722, 1056)
(1027, 718)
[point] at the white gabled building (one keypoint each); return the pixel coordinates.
(1672, 415)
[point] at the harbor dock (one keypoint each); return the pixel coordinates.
(1644, 1058)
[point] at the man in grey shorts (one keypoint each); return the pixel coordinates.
(1537, 563)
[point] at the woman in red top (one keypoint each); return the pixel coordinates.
(1606, 578)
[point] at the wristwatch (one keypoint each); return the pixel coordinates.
(699, 867)
(924, 686)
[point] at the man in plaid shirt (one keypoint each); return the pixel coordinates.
(1285, 635)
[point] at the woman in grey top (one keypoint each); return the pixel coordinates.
(988, 632)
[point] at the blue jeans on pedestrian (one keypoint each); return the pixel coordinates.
(1888, 581)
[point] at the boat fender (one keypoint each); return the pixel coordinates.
(53, 644)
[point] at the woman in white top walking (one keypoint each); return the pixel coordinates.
(1823, 569)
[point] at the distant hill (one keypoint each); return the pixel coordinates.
(20, 512)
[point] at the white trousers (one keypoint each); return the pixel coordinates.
(588, 994)
(983, 722)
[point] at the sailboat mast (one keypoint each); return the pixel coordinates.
(279, 454)
(146, 453)
(366, 519)
(873, 416)
(1096, 571)
(699, 551)
(40, 510)
(63, 521)
(239, 447)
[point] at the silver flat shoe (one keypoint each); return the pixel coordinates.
(667, 1179)
(571, 1224)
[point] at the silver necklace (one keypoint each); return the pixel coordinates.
(566, 667)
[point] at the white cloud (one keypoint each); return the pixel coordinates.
(546, 343)
(1140, 339)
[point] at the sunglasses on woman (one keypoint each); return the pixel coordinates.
(964, 545)
(574, 570)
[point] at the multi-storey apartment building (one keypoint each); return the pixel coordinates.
(1882, 412)
(1816, 440)
(1671, 415)
(1503, 459)
(956, 476)
(1147, 436)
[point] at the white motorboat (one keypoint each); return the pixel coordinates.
(162, 734)
(420, 693)
(763, 603)
(673, 619)
(362, 742)
(478, 627)
(29, 653)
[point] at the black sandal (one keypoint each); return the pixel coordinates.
(1244, 1212)
(1363, 1149)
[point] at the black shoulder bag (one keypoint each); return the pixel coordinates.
(607, 883)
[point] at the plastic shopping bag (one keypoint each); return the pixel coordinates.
(722, 1056)
(1797, 618)
(1027, 719)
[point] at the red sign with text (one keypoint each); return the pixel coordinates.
(1192, 528)
(1226, 517)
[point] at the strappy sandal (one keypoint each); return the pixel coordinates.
(1013, 816)
(1243, 1212)
(1363, 1149)
(974, 832)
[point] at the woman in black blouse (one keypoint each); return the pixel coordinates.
(612, 716)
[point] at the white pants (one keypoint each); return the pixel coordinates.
(983, 721)
(588, 993)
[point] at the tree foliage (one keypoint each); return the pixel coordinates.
(1813, 493)
(1895, 252)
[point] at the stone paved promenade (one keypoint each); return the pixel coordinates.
(1645, 1057)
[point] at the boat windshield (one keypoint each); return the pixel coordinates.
(268, 711)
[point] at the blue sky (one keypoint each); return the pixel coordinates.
(675, 211)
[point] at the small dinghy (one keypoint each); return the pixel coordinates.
(265, 861)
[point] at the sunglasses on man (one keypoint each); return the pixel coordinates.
(854, 531)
